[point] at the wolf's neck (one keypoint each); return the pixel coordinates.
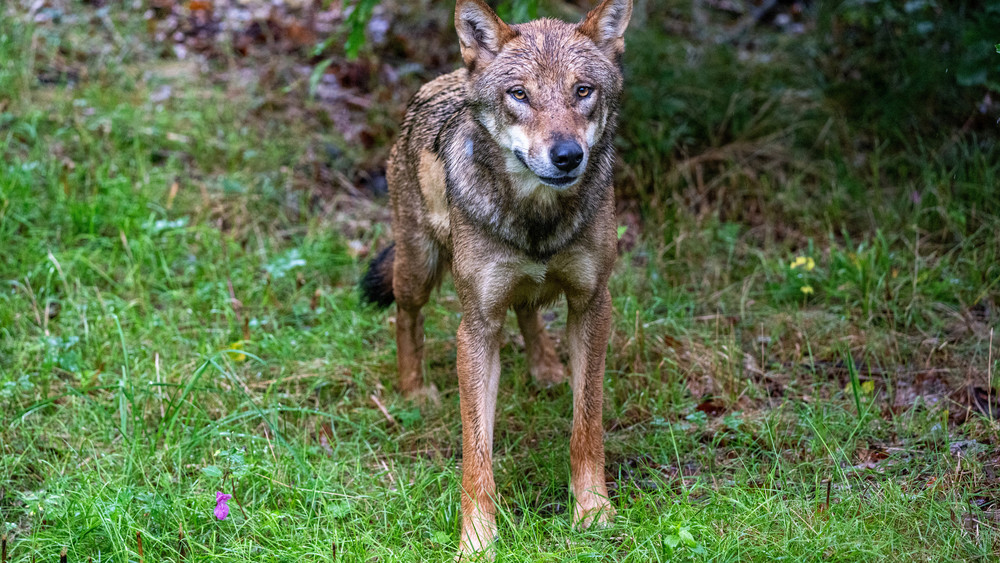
(512, 204)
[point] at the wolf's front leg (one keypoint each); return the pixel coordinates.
(588, 327)
(478, 377)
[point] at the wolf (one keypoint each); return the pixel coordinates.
(502, 175)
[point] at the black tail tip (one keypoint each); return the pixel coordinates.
(376, 286)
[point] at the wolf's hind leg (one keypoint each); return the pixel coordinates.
(415, 273)
(543, 361)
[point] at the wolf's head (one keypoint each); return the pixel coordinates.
(544, 90)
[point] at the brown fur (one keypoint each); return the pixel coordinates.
(477, 190)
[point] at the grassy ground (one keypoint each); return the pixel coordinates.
(177, 317)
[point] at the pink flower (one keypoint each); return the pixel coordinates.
(221, 508)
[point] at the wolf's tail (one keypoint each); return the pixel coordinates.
(376, 286)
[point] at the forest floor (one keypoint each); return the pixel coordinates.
(803, 363)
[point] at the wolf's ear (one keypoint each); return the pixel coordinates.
(481, 33)
(606, 24)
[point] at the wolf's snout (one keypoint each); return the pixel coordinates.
(566, 155)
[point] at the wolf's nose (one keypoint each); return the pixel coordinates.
(566, 155)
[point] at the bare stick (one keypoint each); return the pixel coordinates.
(237, 499)
(381, 407)
(235, 303)
(180, 543)
(989, 379)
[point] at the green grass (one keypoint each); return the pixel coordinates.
(178, 317)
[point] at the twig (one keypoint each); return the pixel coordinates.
(237, 499)
(235, 303)
(156, 364)
(180, 543)
(747, 22)
(304, 490)
(26, 288)
(989, 379)
(126, 246)
(270, 446)
(3, 549)
(138, 539)
(382, 408)
(174, 188)
(392, 480)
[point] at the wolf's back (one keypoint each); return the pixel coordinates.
(427, 114)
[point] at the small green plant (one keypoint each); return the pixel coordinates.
(356, 23)
(518, 11)
(676, 538)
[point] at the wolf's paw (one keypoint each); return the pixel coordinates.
(487, 555)
(547, 371)
(478, 547)
(426, 395)
(598, 515)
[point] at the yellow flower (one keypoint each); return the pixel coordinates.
(807, 289)
(868, 387)
(235, 352)
(804, 261)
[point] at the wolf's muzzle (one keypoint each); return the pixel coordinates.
(566, 155)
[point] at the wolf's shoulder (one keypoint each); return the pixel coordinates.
(451, 85)
(439, 98)
(431, 108)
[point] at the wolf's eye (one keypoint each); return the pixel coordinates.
(583, 91)
(518, 93)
